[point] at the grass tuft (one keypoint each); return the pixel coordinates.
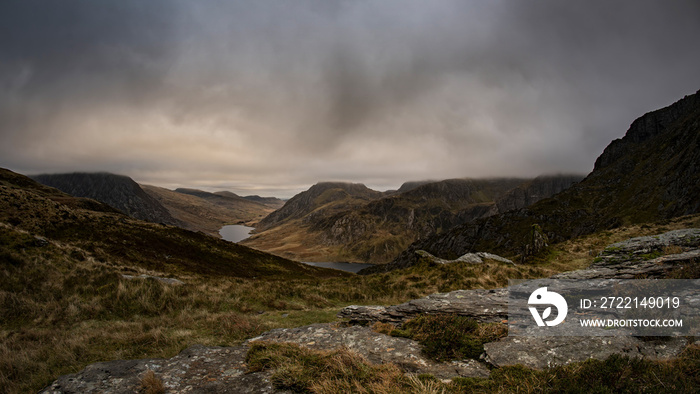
(151, 384)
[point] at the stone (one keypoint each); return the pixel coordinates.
(486, 306)
(472, 258)
(547, 352)
(375, 347)
(197, 369)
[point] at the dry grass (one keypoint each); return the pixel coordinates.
(62, 308)
(340, 371)
(151, 384)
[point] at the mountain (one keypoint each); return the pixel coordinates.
(226, 198)
(207, 212)
(651, 174)
(535, 190)
(321, 199)
(118, 191)
(88, 230)
(273, 202)
(327, 222)
(406, 186)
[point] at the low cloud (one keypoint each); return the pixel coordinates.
(272, 96)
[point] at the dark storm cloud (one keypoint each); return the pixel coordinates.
(281, 94)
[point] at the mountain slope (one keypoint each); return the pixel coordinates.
(118, 191)
(96, 231)
(535, 190)
(199, 213)
(324, 224)
(321, 199)
(652, 173)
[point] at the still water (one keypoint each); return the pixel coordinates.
(235, 232)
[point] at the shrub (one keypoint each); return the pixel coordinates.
(450, 337)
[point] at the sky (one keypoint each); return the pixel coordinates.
(270, 97)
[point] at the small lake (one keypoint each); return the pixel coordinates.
(350, 267)
(235, 232)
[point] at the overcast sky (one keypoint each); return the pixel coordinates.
(270, 97)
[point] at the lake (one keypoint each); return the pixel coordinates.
(350, 267)
(235, 232)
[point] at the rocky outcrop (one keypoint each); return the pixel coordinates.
(634, 258)
(647, 127)
(536, 243)
(472, 258)
(117, 191)
(548, 352)
(375, 347)
(198, 369)
(653, 173)
(486, 306)
(223, 369)
(642, 257)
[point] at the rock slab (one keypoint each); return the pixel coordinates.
(197, 369)
(375, 347)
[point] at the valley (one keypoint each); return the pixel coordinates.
(83, 282)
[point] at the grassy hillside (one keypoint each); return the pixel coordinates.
(64, 304)
(200, 213)
(336, 222)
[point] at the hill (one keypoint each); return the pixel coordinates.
(118, 191)
(99, 232)
(327, 223)
(651, 174)
(207, 212)
(321, 199)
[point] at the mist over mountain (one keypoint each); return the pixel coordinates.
(651, 174)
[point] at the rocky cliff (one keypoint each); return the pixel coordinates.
(652, 173)
(118, 191)
(528, 193)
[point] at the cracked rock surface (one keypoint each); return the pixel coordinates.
(375, 347)
(487, 306)
(546, 352)
(197, 369)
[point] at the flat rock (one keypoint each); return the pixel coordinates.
(547, 352)
(634, 268)
(375, 347)
(197, 369)
(487, 306)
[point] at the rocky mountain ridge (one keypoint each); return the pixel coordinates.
(652, 173)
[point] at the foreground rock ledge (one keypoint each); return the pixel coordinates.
(198, 369)
(375, 347)
(202, 369)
